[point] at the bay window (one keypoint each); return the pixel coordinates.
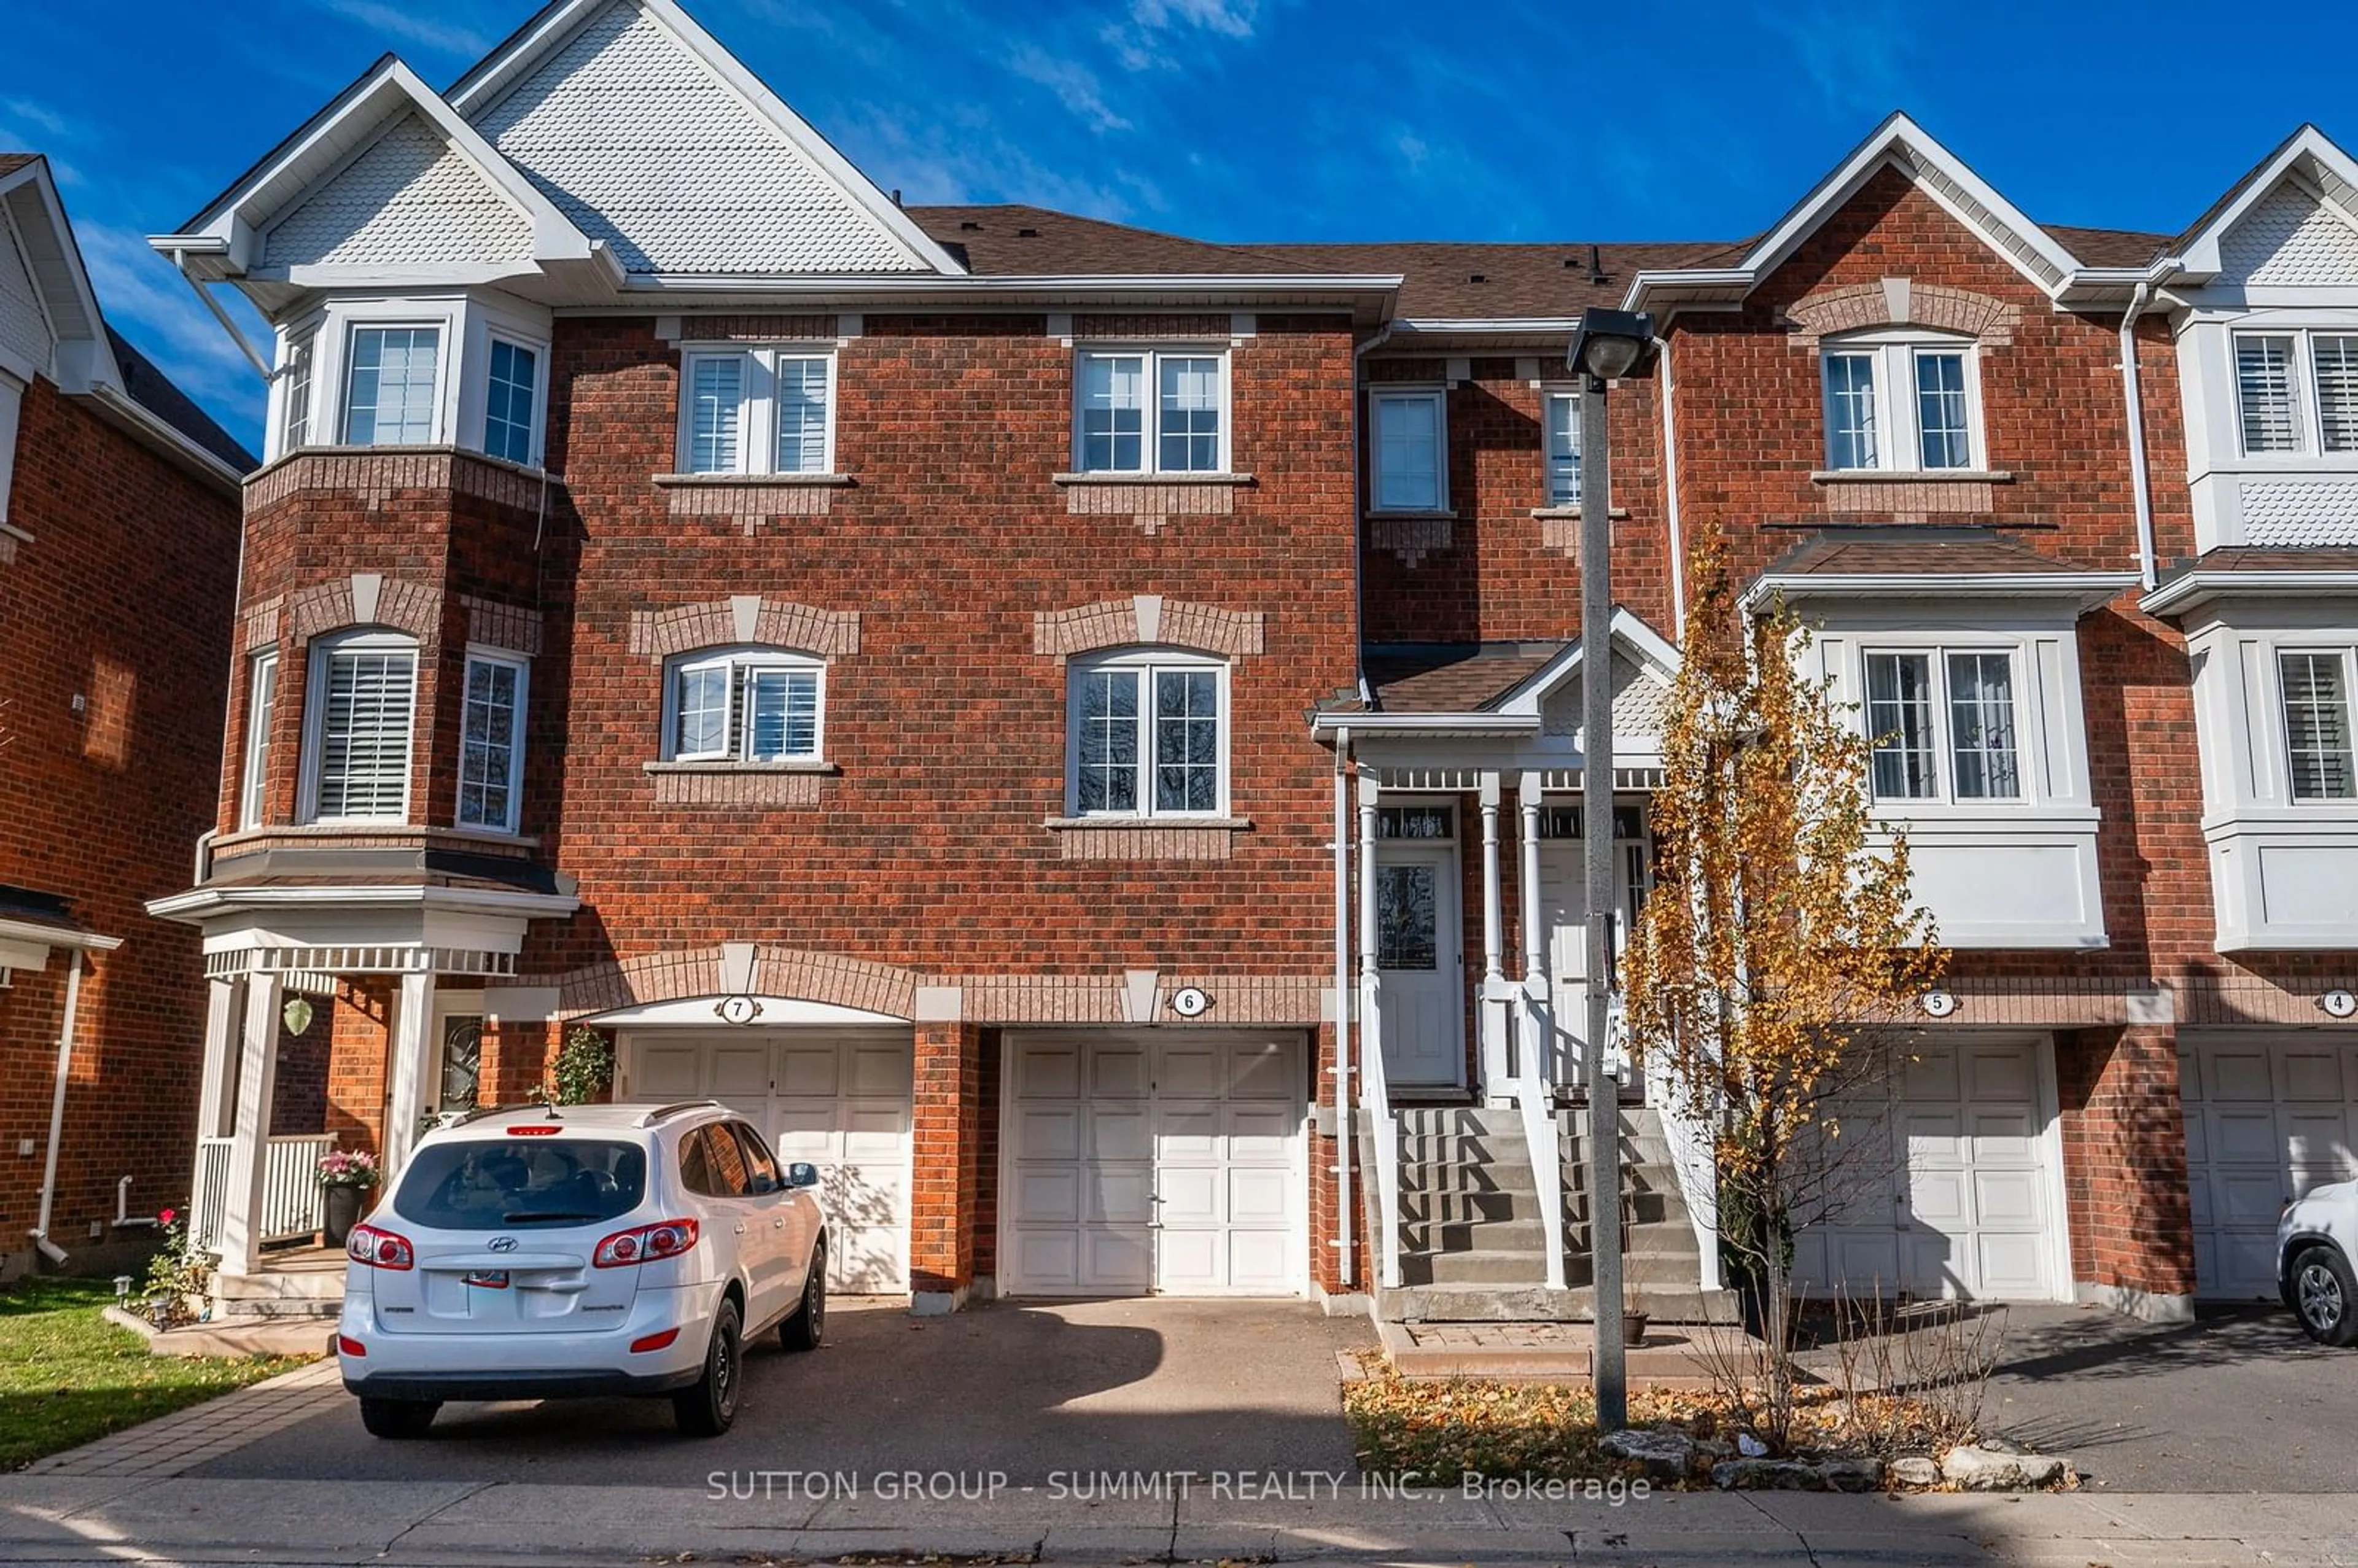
(512, 402)
(2316, 698)
(391, 374)
(491, 742)
(757, 411)
(1149, 411)
(743, 705)
(1408, 429)
(295, 395)
(1900, 402)
(362, 709)
(1942, 724)
(1147, 736)
(2297, 392)
(254, 774)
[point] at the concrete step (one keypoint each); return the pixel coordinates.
(310, 1284)
(1472, 1267)
(1451, 1207)
(1513, 1177)
(276, 1309)
(1443, 1301)
(1481, 1121)
(1479, 1235)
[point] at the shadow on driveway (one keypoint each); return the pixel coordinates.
(1027, 1388)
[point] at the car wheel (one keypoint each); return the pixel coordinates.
(2325, 1297)
(706, 1407)
(806, 1326)
(397, 1418)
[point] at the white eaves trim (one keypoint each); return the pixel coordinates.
(2308, 154)
(231, 226)
(490, 80)
(2182, 593)
(2084, 590)
(200, 905)
(34, 933)
(83, 360)
(1062, 283)
(1464, 724)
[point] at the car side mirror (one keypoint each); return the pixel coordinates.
(802, 1174)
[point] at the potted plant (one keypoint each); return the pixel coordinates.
(344, 1177)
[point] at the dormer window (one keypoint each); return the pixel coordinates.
(390, 385)
(1901, 401)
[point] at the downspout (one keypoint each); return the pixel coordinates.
(1344, 1139)
(1670, 499)
(48, 1249)
(2133, 396)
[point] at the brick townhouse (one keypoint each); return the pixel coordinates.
(1005, 698)
(118, 558)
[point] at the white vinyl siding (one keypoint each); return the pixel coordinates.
(2316, 687)
(512, 402)
(491, 755)
(390, 385)
(254, 774)
(743, 705)
(1148, 736)
(1185, 395)
(2264, 392)
(1943, 724)
(757, 411)
(1410, 430)
(1563, 448)
(1902, 403)
(364, 698)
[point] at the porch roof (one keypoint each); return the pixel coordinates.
(1904, 560)
(1453, 677)
(2246, 571)
(30, 919)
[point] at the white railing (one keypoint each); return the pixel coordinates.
(1686, 1128)
(1536, 1098)
(290, 1188)
(1383, 1134)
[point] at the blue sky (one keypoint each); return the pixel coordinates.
(1228, 119)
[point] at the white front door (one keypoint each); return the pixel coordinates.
(1420, 963)
(839, 1098)
(2267, 1118)
(1136, 1164)
(1564, 906)
(1951, 1190)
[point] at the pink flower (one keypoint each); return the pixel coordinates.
(166, 1216)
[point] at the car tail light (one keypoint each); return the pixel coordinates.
(380, 1249)
(351, 1347)
(663, 1341)
(535, 1129)
(644, 1244)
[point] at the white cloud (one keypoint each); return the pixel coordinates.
(145, 302)
(1144, 42)
(27, 110)
(1074, 85)
(442, 37)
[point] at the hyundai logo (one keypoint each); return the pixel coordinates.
(502, 1244)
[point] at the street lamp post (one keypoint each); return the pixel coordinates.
(1606, 346)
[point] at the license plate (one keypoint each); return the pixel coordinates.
(490, 1279)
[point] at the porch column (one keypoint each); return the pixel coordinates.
(1539, 1037)
(413, 1036)
(217, 1090)
(249, 1162)
(1371, 1019)
(1494, 1009)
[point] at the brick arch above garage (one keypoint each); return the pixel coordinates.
(794, 973)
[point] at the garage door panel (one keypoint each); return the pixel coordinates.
(2265, 1119)
(1048, 1072)
(1938, 1198)
(2316, 1137)
(2005, 1198)
(737, 1070)
(1190, 1196)
(670, 1071)
(2240, 1074)
(2001, 1075)
(1191, 1072)
(1048, 1196)
(1189, 1133)
(1049, 1132)
(1258, 1196)
(2244, 1135)
(2249, 1197)
(1261, 1135)
(1929, 1073)
(2312, 1076)
(1118, 1073)
(1118, 1132)
(1188, 1260)
(878, 1072)
(2008, 1265)
(809, 1072)
(2198, 1135)
(1117, 1260)
(1049, 1258)
(1260, 1261)
(1263, 1072)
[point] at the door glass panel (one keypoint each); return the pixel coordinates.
(1405, 923)
(463, 1061)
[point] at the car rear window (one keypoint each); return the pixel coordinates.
(496, 1185)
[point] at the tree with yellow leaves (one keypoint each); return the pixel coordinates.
(1780, 945)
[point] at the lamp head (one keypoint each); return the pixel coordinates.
(1610, 344)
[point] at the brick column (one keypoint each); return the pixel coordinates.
(947, 1134)
(2124, 1170)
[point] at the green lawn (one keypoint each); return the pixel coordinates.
(67, 1376)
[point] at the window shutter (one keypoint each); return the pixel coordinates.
(365, 740)
(2337, 393)
(2264, 392)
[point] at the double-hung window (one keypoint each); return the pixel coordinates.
(512, 402)
(362, 701)
(1563, 410)
(757, 411)
(390, 385)
(743, 705)
(295, 395)
(1943, 724)
(1900, 402)
(2316, 690)
(254, 774)
(1148, 736)
(1407, 449)
(491, 742)
(1149, 411)
(2297, 392)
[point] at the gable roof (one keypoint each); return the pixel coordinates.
(2308, 155)
(154, 391)
(1507, 683)
(517, 95)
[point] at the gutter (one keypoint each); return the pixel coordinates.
(2090, 589)
(2183, 592)
(1671, 495)
(1509, 724)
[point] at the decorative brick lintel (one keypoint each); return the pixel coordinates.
(1910, 498)
(1149, 499)
(367, 599)
(495, 625)
(1901, 302)
(1148, 618)
(747, 618)
(885, 989)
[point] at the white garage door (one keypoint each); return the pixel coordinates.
(1168, 1163)
(839, 1098)
(1963, 1206)
(2267, 1119)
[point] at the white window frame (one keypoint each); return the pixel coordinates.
(443, 329)
(2280, 721)
(1147, 661)
(2308, 389)
(536, 431)
(740, 661)
(1150, 357)
(519, 726)
(318, 659)
(1554, 463)
(254, 765)
(1944, 741)
(1439, 397)
(757, 408)
(1899, 446)
(296, 385)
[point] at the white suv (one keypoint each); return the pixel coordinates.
(557, 1252)
(2315, 1239)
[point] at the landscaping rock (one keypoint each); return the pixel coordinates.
(1751, 1446)
(1914, 1470)
(2000, 1446)
(1766, 1475)
(1664, 1454)
(1984, 1469)
(1851, 1474)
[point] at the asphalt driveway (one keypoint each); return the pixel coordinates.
(2236, 1401)
(1024, 1389)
